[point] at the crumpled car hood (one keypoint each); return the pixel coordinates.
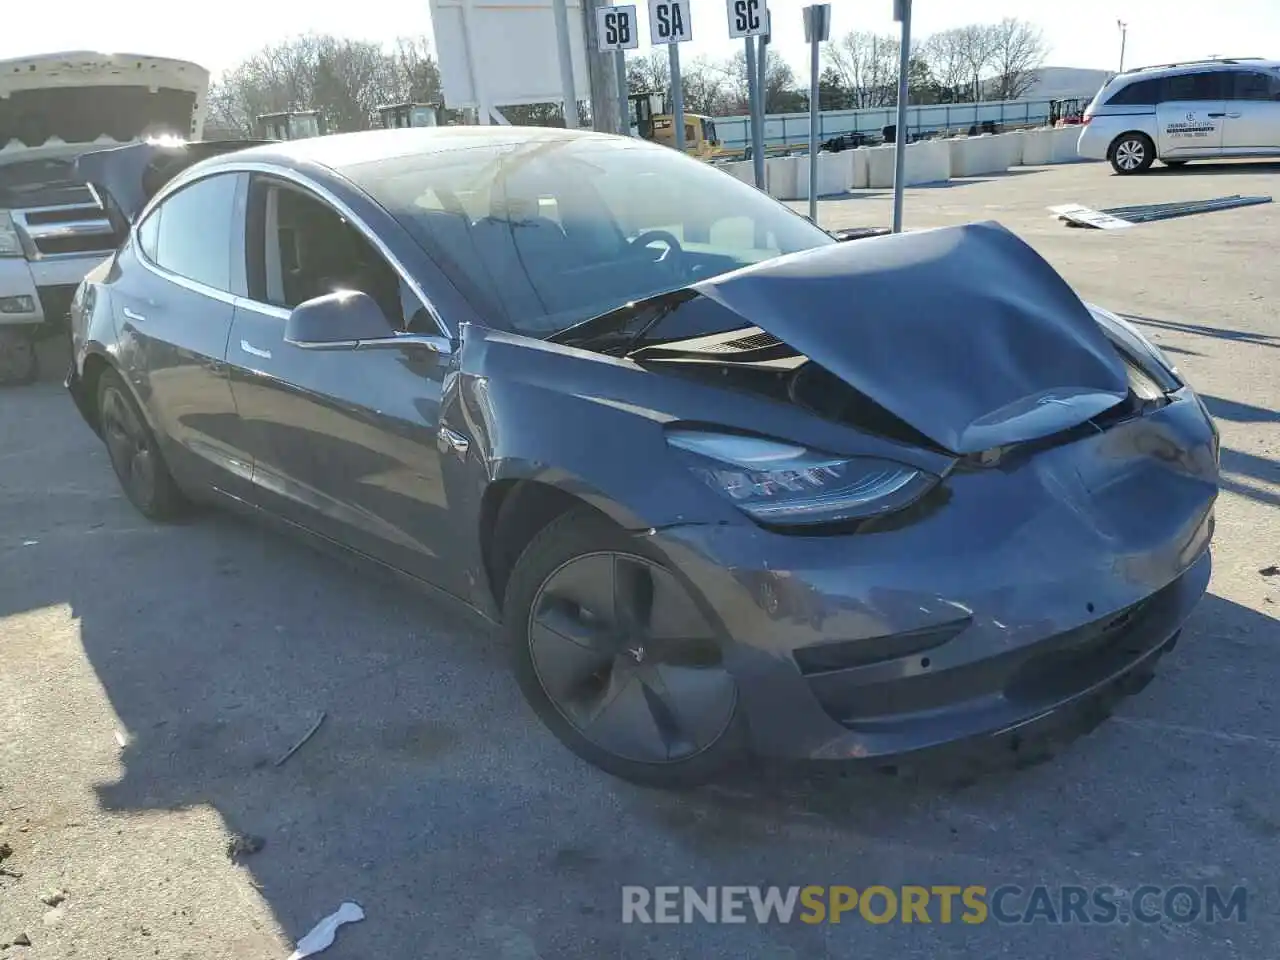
(965, 333)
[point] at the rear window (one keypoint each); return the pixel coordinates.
(1140, 93)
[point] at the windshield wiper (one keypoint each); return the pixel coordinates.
(614, 326)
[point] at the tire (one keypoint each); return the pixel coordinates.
(1132, 153)
(619, 698)
(135, 455)
(19, 362)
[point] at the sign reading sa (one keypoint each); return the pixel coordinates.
(616, 28)
(669, 21)
(747, 18)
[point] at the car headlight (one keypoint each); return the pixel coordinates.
(1108, 316)
(786, 484)
(10, 244)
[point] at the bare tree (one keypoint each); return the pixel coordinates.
(705, 87)
(1018, 49)
(977, 51)
(780, 93)
(867, 64)
(649, 72)
(413, 76)
(944, 53)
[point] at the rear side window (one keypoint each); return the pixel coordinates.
(1255, 85)
(1194, 86)
(1142, 93)
(195, 232)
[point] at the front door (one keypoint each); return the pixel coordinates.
(1253, 113)
(344, 441)
(1192, 114)
(174, 317)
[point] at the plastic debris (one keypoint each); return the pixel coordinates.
(323, 933)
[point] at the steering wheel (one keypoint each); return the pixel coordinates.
(672, 259)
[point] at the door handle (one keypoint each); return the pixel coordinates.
(131, 315)
(253, 351)
(1215, 116)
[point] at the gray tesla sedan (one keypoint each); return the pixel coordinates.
(730, 486)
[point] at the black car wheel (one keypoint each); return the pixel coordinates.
(134, 453)
(616, 658)
(19, 364)
(1132, 153)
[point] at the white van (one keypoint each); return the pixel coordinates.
(1186, 111)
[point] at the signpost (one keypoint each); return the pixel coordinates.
(817, 28)
(617, 31)
(762, 85)
(749, 19)
(670, 23)
(901, 13)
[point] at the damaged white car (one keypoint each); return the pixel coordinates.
(54, 229)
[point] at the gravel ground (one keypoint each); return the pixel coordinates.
(152, 676)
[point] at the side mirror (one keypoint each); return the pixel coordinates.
(337, 319)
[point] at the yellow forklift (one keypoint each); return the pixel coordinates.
(291, 125)
(395, 116)
(650, 120)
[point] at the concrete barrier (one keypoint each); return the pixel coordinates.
(742, 169)
(1037, 147)
(1011, 143)
(1064, 144)
(975, 156)
(926, 162)
(835, 174)
(782, 177)
(861, 173)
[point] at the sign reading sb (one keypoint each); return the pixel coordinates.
(669, 21)
(747, 18)
(616, 28)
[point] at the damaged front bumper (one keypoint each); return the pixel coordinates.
(1027, 588)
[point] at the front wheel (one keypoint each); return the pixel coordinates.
(616, 659)
(1132, 153)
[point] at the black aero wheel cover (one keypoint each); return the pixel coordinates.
(628, 660)
(129, 445)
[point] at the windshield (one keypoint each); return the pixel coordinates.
(542, 235)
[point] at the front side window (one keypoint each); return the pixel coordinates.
(195, 232)
(1194, 86)
(1255, 85)
(545, 233)
(301, 248)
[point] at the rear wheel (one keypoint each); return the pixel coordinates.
(135, 455)
(1132, 153)
(616, 658)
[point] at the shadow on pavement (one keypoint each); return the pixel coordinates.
(1233, 410)
(1201, 330)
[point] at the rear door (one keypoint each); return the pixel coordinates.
(173, 300)
(1192, 114)
(1253, 113)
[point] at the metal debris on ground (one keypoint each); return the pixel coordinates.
(21, 940)
(53, 898)
(1114, 218)
(305, 737)
(1270, 571)
(323, 933)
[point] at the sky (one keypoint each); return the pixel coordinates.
(1081, 33)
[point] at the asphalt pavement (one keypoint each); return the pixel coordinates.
(151, 678)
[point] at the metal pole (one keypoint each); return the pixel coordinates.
(561, 11)
(1124, 36)
(899, 145)
(813, 130)
(677, 94)
(753, 103)
(624, 106)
